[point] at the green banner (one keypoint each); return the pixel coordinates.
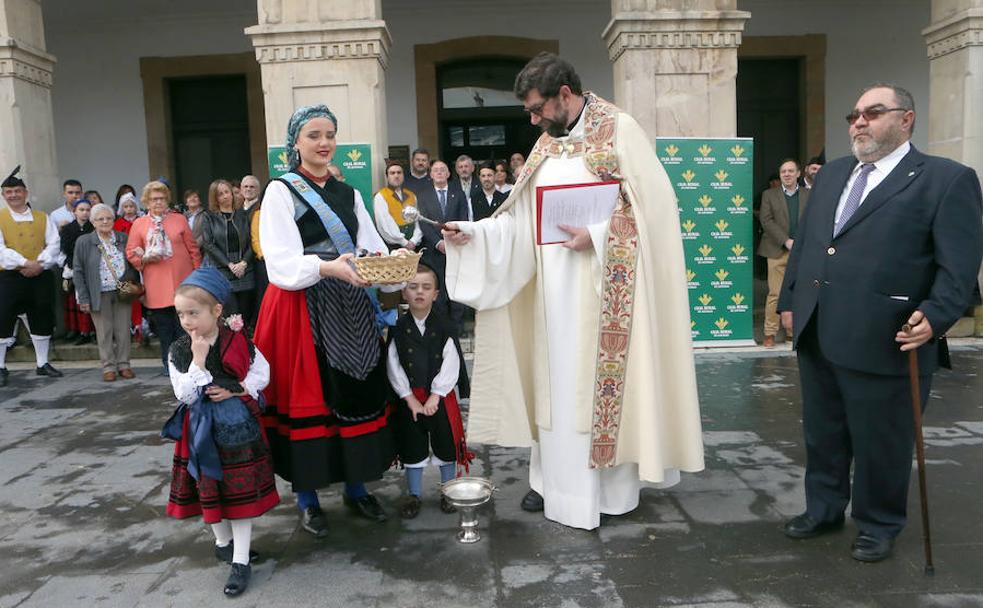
(713, 180)
(355, 161)
(276, 157)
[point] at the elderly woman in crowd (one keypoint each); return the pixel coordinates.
(99, 265)
(326, 413)
(128, 213)
(77, 321)
(162, 247)
(225, 238)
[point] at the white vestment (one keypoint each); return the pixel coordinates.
(501, 266)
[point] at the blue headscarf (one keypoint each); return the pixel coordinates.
(301, 117)
(212, 281)
(80, 201)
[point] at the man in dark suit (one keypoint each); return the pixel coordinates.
(489, 198)
(465, 183)
(781, 209)
(418, 178)
(443, 203)
(891, 237)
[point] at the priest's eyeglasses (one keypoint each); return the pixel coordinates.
(871, 113)
(538, 108)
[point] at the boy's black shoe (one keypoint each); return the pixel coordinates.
(312, 519)
(446, 506)
(4, 376)
(48, 370)
(238, 579)
(532, 502)
(367, 506)
(410, 507)
(224, 554)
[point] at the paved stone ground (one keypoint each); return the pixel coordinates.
(84, 477)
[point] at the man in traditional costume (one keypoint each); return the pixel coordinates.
(29, 249)
(388, 209)
(582, 350)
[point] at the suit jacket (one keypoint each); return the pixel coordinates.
(914, 243)
(429, 206)
(473, 195)
(481, 207)
(774, 219)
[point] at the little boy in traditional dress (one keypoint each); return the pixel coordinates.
(424, 366)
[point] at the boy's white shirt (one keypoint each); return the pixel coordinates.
(443, 383)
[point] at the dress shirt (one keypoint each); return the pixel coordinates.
(49, 256)
(882, 169)
(61, 216)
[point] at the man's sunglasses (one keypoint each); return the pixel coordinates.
(871, 113)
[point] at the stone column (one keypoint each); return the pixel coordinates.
(955, 120)
(675, 64)
(27, 128)
(333, 52)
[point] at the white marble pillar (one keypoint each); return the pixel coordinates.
(955, 108)
(333, 52)
(27, 129)
(675, 64)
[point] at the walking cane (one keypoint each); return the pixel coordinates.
(916, 409)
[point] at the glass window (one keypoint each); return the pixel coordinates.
(487, 135)
(456, 137)
(484, 83)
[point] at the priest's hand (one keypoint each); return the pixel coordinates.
(787, 321)
(919, 331)
(416, 408)
(454, 235)
(579, 238)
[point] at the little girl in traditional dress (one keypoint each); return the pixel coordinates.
(222, 466)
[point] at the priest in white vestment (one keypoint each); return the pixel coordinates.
(582, 349)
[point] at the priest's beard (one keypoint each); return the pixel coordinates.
(555, 127)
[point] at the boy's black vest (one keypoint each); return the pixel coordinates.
(422, 355)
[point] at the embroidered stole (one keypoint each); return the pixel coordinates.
(618, 273)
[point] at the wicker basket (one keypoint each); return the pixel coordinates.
(388, 269)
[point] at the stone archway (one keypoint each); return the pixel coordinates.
(427, 57)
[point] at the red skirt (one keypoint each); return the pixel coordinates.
(75, 319)
(247, 488)
(313, 444)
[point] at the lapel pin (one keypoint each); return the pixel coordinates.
(910, 173)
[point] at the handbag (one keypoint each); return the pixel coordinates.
(128, 290)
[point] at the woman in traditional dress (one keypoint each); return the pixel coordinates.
(326, 416)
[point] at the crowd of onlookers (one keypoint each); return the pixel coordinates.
(151, 240)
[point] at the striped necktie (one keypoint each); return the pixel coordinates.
(853, 199)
